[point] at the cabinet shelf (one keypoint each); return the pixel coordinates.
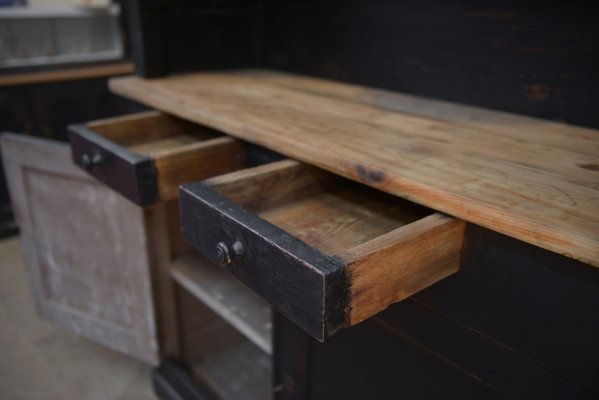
(240, 371)
(225, 296)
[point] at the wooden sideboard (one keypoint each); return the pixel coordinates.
(519, 318)
(513, 314)
(364, 284)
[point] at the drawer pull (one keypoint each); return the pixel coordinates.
(224, 256)
(91, 161)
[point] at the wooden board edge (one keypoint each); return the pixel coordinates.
(222, 182)
(270, 185)
(165, 306)
(197, 162)
(402, 262)
(150, 114)
(67, 74)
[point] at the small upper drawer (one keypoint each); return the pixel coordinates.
(326, 252)
(146, 156)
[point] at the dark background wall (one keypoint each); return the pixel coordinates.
(528, 57)
(516, 321)
(45, 110)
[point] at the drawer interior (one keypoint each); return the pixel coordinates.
(342, 215)
(326, 211)
(152, 133)
(147, 156)
(290, 230)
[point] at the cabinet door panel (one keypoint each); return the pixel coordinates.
(85, 248)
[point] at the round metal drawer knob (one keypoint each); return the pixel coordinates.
(86, 161)
(224, 255)
(89, 162)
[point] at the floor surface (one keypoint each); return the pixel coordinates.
(41, 361)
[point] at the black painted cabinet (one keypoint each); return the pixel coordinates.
(516, 321)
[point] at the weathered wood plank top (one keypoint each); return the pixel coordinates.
(534, 180)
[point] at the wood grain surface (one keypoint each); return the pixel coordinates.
(536, 181)
(396, 265)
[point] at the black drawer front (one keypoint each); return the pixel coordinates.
(305, 285)
(131, 175)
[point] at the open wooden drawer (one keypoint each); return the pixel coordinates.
(146, 156)
(326, 252)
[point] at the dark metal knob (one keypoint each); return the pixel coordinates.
(89, 162)
(86, 161)
(224, 255)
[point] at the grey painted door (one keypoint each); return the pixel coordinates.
(86, 248)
